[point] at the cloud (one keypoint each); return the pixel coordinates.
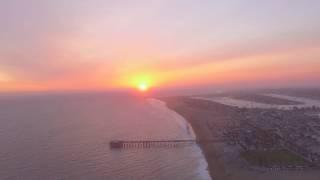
(234, 52)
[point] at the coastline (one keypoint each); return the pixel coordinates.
(215, 166)
(203, 167)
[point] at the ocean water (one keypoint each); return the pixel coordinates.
(66, 136)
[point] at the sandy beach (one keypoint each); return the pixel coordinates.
(197, 118)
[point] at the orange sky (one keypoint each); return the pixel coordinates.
(302, 65)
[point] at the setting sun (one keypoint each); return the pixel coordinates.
(143, 86)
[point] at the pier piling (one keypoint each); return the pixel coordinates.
(119, 144)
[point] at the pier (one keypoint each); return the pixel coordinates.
(119, 144)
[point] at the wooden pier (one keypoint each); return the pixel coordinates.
(119, 144)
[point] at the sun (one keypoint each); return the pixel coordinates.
(143, 87)
(142, 82)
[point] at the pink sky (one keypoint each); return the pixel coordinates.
(95, 45)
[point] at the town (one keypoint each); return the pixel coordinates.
(263, 138)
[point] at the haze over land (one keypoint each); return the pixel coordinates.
(93, 45)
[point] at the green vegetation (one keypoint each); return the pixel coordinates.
(273, 158)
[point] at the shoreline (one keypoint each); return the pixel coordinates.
(190, 131)
(188, 128)
(215, 167)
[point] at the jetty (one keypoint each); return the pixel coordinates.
(119, 144)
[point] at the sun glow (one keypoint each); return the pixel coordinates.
(140, 81)
(143, 86)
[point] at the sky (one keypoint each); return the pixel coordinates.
(112, 44)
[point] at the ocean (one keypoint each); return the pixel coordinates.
(66, 136)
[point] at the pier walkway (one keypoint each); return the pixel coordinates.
(118, 144)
